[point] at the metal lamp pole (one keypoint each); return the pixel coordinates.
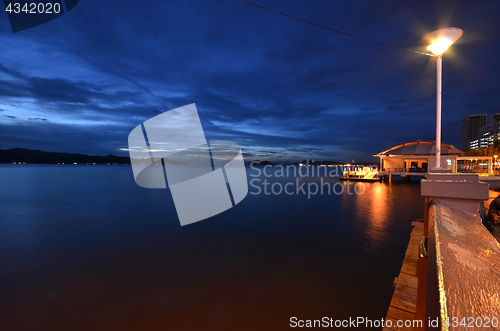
(438, 42)
(438, 109)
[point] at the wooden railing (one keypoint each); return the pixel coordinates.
(459, 271)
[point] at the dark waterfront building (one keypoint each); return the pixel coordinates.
(487, 134)
(470, 128)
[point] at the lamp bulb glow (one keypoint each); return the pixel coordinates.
(439, 46)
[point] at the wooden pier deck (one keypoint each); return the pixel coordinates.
(404, 300)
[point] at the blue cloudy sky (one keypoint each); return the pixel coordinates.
(282, 89)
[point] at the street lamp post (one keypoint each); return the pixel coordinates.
(438, 42)
(439, 91)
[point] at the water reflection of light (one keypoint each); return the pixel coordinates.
(375, 206)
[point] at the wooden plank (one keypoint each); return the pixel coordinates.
(412, 254)
(413, 247)
(416, 235)
(404, 302)
(409, 270)
(413, 250)
(406, 289)
(415, 241)
(406, 280)
(414, 244)
(410, 260)
(419, 223)
(410, 266)
(399, 314)
(419, 231)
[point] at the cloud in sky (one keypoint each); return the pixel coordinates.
(278, 87)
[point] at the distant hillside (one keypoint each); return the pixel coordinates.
(317, 163)
(40, 157)
(262, 163)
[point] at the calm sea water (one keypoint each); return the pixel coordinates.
(85, 248)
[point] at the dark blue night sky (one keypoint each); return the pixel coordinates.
(282, 89)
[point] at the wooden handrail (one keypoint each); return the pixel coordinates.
(463, 269)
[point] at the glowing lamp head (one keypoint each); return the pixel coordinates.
(439, 46)
(438, 41)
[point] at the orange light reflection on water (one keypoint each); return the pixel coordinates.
(374, 208)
